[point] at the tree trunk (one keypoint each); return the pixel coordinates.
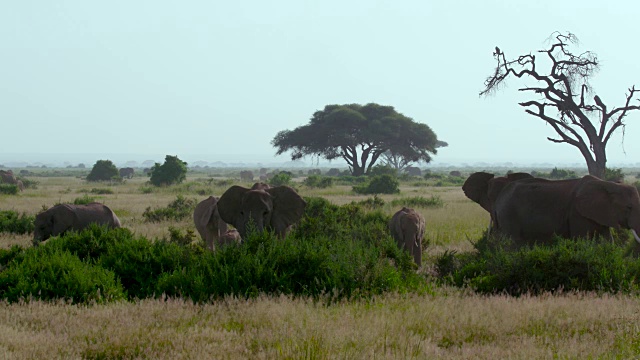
(357, 170)
(597, 166)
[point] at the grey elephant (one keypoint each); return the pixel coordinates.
(126, 172)
(66, 217)
(208, 222)
(484, 188)
(7, 177)
(535, 210)
(231, 236)
(407, 228)
(246, 175)
(272, 209)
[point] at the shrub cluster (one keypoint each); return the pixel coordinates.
(281, 178)
(12, 222)
(379, 184)
(173, 171)
(84, 200)
(336, 252)
(317, 181)
(9, 189)
(418, 201)
(103, 170)
(177, 210)
(568, 265)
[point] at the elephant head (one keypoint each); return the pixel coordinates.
(483, 188)
(608, 204)
(275, 208)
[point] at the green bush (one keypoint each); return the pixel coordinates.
(317, 181)
(103, 170)
(383, 170)
(418, 201)
(46, 275)
(12, 222)
(568, 265)
(613, 175)
(372, 203)
(177, 210)
(84, 200)
(9, 189)
(379, 184)
(173, 171)
(101, 191)
(281, 178)
(29, 184)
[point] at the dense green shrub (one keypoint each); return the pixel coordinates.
(104, 191)
(379, 184)
(9, 189)
(12, 222)
(281, 178)
(615, 175)
(84, 200)
(28, 183)
(173, 171)
(179, 209)
(374, 202)
(580, 265)
(383, 170)
(44, 274)
(418, 201)
(317, 181)
(103, 170)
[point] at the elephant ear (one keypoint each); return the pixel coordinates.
(230, 205)
(476, 188)
(207, 206)
(288, 207)
(593, 201)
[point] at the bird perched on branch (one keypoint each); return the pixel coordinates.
(598, 101)
(497, 51)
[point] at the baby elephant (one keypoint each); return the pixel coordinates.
(65, 217)
(232, 236)
(407, 228)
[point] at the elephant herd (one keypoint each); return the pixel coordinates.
(524, 208)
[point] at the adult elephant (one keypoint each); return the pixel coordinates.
(484, 188)
(407, 228)
(246, 175)
(126, 172)
(536, 210)
(208, 222)
(273, 209)
(66, 217)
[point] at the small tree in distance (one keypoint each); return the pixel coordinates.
(173, 171)
(103, 170)
(562, 91)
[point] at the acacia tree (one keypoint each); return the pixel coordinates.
(359, 134)
(587, 126)
(399, 162)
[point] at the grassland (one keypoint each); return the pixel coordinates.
(446, 323)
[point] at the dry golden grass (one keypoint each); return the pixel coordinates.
(450, 324)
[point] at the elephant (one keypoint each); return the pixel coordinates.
(66, 217)
(407, 228)
(535, 210)
(413, 171)
(246, 175)
(484, 188)
(126, 172)
(231, 236)
(208, 222)
(272, 209)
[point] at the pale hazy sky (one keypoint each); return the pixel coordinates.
(217, 80)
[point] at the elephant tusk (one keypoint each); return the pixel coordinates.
(635, 235)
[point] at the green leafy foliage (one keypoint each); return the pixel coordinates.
(103, 191)
(281, 178)
(173, 171)
(84, 200)
(28, 183)
(178, 209)
(584, 265)
(615, 175)
(317, 181)
(46, 274)
(13, 222)
(103, 170)
(9, 189)
(418, 201)
(379, 184)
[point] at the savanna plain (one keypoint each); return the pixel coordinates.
(440, 321)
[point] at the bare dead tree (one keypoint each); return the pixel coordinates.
(561, 102)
